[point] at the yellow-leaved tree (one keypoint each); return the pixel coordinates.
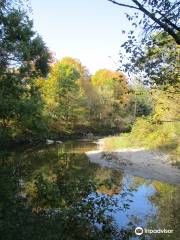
(112, 90)
(64, 95)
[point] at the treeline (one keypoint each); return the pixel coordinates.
(41, 97)
(77, 103)
(71, 102)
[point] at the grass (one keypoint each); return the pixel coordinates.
(119, 142)
(148, 135)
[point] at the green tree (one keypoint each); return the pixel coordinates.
(24, 57)
(154, 53)
(62, 95)
(158, 62)
(141, 102)
(83, 71)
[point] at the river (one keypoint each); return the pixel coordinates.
(56, 192)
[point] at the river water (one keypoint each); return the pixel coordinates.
(38, 184)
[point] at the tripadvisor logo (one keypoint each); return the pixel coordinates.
(139, 231)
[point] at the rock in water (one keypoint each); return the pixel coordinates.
(48, 141)
(90, 136)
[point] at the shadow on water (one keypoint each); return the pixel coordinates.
(55, 192)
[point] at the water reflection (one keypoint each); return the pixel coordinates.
(55, 192)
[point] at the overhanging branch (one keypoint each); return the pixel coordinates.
(159, 22)
(167, 25)
(163, 17)
(124, 5)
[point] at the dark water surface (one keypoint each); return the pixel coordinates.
(55, 192)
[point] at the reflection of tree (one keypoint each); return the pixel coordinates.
(50, 194)
(167, 201)
(109, 181)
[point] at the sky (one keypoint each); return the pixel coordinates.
(89, 30)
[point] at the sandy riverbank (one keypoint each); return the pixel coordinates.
(138, 162)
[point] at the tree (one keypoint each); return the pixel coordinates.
(112, 91)
(157, 63)
(83, 71)
(64, 97)
(141, 103)
(163, 14)
(23, 52)
(155, 54)
(166, 107)
(83, 95)
(24, 57)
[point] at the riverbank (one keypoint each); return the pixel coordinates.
(165, 141)
(138, 162)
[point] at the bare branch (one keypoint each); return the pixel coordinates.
(123, 5)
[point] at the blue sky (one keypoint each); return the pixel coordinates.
(89, 30)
